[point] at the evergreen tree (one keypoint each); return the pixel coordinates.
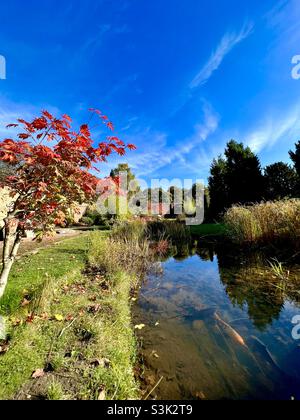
(295, 156)
(280, 181)
(244, 179)
(218, 190)
(235, 178)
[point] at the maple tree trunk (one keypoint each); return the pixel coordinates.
(12, 241)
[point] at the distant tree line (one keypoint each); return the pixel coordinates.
(237, 177)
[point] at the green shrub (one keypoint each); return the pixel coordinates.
(130, 231)
(87, 221)
(172, 230)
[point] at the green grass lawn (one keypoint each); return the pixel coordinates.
(209, 230)
(30, 273)
(76, 328)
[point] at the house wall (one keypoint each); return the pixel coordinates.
(5, 200)
(80, 212)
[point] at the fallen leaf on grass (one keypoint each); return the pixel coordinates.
(39, 373)
(15, 322)
(59, 317)
(44, 316)
(140, 327)
(25, 302)
(154, 354)
(94, 309)
(200, 395)
(102, 395)
(30, 318)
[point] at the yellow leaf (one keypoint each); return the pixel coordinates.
(140, 327)
(59, 317)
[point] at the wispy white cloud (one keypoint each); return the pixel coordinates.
(10, 112)
(285, 20)
(274, 129)
(228, 42)
(154, 152)
(93, 42)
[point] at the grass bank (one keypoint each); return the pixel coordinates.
(70, 326)
(209, 230)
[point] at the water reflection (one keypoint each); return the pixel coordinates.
(247, 279)
(219, 326)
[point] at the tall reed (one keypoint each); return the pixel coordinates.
(171, 230)
(267, 222)
(116, 254)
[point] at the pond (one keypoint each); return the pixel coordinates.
(219, 326)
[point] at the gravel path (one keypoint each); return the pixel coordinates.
(28, 245)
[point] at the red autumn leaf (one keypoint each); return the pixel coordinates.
(85, 131)
(40, 123)
(23, 136)
(67, 117)
(30, 318)
(96, 111)
(52, 163)
(110, 126)
(131, 147)
(48, 115)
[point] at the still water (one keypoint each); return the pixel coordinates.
(219, 326)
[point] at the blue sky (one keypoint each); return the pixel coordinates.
(178, 78)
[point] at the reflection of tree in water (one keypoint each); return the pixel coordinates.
(245, 278)
(263, 300)
(206, 254)
(183, 252)
(246, 284)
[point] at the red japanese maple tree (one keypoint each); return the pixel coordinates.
(52, 164)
